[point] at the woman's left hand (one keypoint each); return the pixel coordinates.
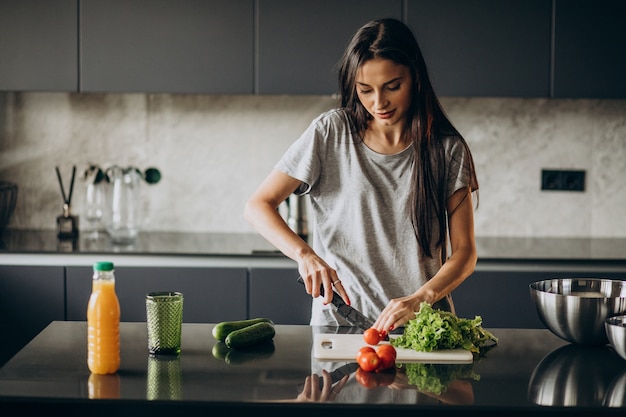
(311, 391)
(397, 313)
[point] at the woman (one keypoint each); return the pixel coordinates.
(389, 179)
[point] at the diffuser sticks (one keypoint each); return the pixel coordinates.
(67, 224)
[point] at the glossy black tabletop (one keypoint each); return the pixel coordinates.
(528, 371)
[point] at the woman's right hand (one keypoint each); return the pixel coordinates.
(261, 212)
(318, 275)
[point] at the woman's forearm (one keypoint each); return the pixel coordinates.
(264, 217)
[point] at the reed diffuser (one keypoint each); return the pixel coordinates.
(67, 224)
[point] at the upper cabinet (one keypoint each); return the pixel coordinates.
(484, 47)
(301, 42)
(174, 46)
(473, 48)
(590, 49)
(38, 45)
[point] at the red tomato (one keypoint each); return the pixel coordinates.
(375, 379)
(369, 361)
(367, 379)
(371, 336)
(387, 361)
(387, 355)
(363, 350)
(386, 377)
(387, 348)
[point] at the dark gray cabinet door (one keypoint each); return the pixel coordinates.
(30, 298)
(176, 46)
(38, 45)
(590, 49)
(275, 294)
(301, 42)
(210, 294)
(502, 297)
(485, 47)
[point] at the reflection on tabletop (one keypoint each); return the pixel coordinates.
(407, 383)
(579, 375)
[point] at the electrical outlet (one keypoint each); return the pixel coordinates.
(558, 180)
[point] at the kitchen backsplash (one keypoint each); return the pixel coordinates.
(213, 151)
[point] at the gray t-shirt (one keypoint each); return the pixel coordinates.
(360, 222)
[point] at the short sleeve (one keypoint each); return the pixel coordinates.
(459, 167)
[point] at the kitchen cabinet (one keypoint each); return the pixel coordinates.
(501, 296)
(484, 47)
(210, 294)
(38, 45)
(590, 49)
(301, 42)
(275, 294)
(30, 298)
(189, 46)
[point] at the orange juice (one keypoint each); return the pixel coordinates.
(104, 386)
(103, 322)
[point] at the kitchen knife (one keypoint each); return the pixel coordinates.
(353, 316)
(336, 375)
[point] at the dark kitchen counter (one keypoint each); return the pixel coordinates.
(253, 245)
(529, 371)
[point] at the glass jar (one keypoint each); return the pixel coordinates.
(124, 217)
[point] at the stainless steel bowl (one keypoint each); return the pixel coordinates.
(616, 333)
(575, 309)
(574, 375)
(616, 397)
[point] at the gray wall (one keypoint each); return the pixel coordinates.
(214, 150)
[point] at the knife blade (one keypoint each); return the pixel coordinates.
(352, 315)
(336, 375)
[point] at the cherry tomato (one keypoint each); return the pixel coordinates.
(375, 379)
(386, 377)
(387, 348)
(369, 361)
(387, 360)
(371, 336)
(367, 379)
(363, 350)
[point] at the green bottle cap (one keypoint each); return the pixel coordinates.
(103, 266)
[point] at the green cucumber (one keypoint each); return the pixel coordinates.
(220, 350)
(223, 329)
(260, 352)
(250, 335)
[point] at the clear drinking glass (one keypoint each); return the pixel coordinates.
(95, 205)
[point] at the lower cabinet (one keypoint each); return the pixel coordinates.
(210, 294)
(502, 296)
(30, 298)
(33, 296)
(275, 294)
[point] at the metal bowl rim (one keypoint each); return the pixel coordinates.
(533, 286)
(616, 321)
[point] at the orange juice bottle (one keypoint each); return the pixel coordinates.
(103, 322)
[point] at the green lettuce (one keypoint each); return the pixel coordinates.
(436, 378)
(436, 329)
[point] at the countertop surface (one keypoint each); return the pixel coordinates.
(529, 370)
(253, 245)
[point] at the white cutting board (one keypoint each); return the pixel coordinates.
(345, 347)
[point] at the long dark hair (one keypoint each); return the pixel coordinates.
(393, 40)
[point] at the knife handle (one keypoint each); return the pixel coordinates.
(301, 281)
